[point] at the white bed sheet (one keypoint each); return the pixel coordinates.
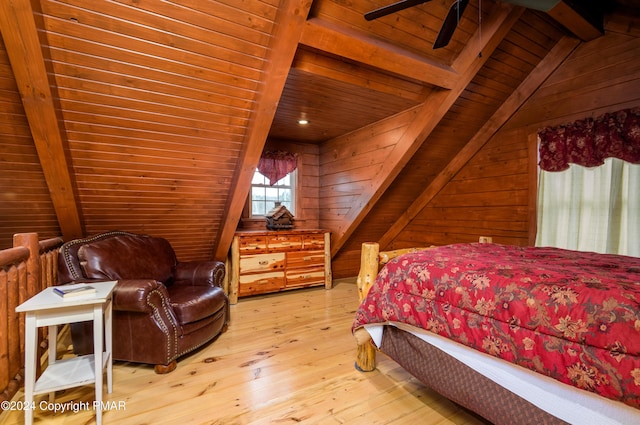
(568, 403)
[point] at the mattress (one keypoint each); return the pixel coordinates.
(561, 401)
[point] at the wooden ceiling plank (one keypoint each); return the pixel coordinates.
(546, 67)
(290, 23)
(356, 46)
(20, 35)
(426, 119)
(626, 21)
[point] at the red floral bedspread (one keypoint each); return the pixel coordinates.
(574, 316)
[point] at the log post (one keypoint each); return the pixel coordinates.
(30, 241)
(31, 286)
(234, 274)
(328, 274)
(366, 354)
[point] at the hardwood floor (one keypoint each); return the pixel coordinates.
(286, 358)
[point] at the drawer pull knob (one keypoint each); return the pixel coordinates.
(263, 262)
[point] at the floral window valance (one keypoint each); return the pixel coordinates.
(590, 141)
(276, 165)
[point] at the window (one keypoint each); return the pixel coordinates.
(264, 196)
(591, 209)
(597, 208)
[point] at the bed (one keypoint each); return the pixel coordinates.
(519, 335)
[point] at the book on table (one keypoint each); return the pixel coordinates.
(74, 290)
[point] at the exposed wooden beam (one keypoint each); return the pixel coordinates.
(587, 25)
(290, 21)
(327, 67)
(533, 81)
(426, 118)
(356, 46)
(20, 35)
(582, 18)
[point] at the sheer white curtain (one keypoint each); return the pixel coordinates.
(591, 209)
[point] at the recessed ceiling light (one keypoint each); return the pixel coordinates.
(303, 122)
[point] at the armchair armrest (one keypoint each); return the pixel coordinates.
(132, 295)
(209, 273)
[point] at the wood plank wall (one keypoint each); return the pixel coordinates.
(348, 166)
(351, 164)
(491, 195)
(588, 84)
(518, 54)
(25, 203)
(488, 197)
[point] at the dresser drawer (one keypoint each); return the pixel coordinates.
(252, 244)
(305, 277)
(262, 262)
(305, 259)
(284, 242)
(261, 283)
(313, 242)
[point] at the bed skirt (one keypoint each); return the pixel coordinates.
(460, 383)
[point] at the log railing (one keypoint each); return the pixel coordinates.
(26, 269)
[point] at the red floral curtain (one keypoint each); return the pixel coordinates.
(276, 165)
(590, 141)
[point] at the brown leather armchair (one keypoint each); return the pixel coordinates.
(162, 308)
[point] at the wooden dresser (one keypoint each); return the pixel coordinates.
(272, 261)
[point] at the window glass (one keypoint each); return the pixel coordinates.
(264, 196)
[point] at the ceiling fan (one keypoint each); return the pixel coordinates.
(448, 26)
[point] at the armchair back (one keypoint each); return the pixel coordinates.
(69, 267)
(128, 257)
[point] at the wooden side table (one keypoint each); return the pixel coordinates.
(49, 309)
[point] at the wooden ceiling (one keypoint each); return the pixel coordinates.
(352, 73)
(349, 72)
(151, 116)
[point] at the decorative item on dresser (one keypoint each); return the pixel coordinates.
(279, 218)
(272, 261)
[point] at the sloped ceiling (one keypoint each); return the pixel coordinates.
(151, 116)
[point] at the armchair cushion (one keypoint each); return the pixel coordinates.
(193, 303)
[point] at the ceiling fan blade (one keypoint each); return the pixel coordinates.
(450, 23)
(392, 8)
